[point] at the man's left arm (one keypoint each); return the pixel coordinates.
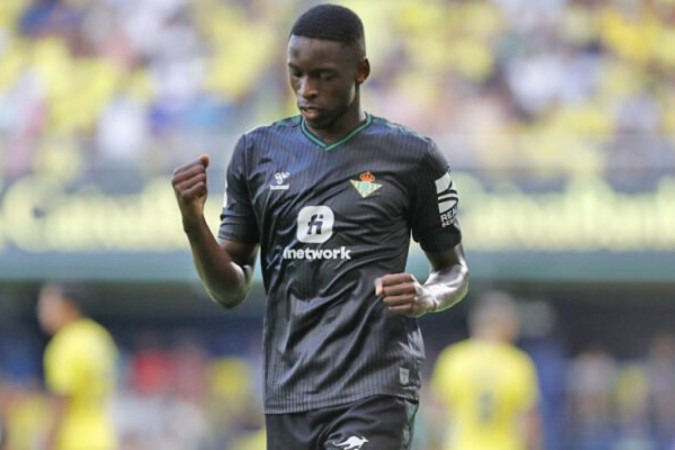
(446, 285)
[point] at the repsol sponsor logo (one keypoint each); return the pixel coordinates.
(447, 200)
(311, 254)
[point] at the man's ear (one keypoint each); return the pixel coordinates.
(362, 71)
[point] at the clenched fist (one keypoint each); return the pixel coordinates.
(404, 295)
(190, 187)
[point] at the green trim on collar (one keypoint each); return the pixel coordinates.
(328, 147)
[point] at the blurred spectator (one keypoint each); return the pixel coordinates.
(660, 367)
(639, 153)
(631, 407)
(3, 420)
(80, 366)
(235, 405)
(542, 340)
(121, 133)
(488, 386)
(42, 17)
(151, 365)
(26, 414)
(591, 381)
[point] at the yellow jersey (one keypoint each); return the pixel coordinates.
(80, 362)
(485, 386)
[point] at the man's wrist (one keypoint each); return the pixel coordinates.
(192, 227)
(428, 301)
(431, 302)
(436, 294)
(435, 304)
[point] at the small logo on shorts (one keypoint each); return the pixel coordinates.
(353, 443)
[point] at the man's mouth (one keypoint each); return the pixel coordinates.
(310, 112)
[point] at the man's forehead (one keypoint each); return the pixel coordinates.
(300, 46)
(302, 43)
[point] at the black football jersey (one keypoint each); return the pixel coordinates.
(330, 219)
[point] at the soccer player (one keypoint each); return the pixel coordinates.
(80, 365)
(3, 430)
(330, 198)
(488, 386)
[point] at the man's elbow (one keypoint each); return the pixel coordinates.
(228, 300)
(464, 283)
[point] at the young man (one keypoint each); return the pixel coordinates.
(487, 385)
(330, 198)
(80, 365)
(3, 431)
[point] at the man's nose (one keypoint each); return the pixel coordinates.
(308, 88)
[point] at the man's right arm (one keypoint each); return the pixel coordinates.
(60, 403)
(225, 268)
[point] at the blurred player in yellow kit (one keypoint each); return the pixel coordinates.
(80, 366)
(487, 385)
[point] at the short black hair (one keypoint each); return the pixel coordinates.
(332, 23)
(77, 294)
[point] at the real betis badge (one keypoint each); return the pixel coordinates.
(366, 184)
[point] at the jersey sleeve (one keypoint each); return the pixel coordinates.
(63, 364)
(237, 220)
(434, 212)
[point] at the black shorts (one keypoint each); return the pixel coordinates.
(373, 423)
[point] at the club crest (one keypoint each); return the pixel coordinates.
(365, 185)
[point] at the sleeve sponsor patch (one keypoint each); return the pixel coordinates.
(447, 200)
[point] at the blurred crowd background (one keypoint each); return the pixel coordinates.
(536, 92)
(100, 82)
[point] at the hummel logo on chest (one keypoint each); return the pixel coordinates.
(366, 184)
(280, 183)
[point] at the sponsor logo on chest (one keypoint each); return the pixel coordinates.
(314, 225)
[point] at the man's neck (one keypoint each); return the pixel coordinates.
(342, 126)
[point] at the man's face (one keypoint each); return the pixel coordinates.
(324, 76)
(51, 309)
